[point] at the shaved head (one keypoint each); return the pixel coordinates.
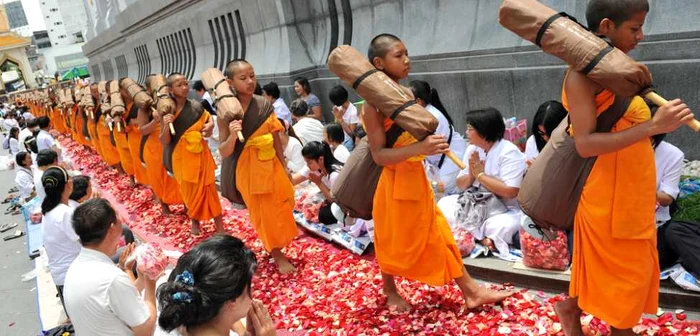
(380, 46)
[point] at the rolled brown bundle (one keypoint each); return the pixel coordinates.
(68, 102)
(227, 105)
(140, 96)
(86, 101)
(161, 93)
(118, 107)
(394, 101)
(560, 35)
(78, 93)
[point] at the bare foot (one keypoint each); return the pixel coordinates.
(166, 209)
(283, 264)
(195, 228)
(570, 317)
(396, 303)
(485, 296)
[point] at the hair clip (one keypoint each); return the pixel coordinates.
(186, 278)
(182, 297)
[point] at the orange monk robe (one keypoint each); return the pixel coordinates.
(412, 237)
(615, 252)
(57, 120)
(193, 167)
(92, 129)
(269, 195)
(109, 151)
(163, 185)
(122, 140)
(79, 122)
(134, 147)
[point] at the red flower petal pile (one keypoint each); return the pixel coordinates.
(337, 292)
(150, 260)
(549, 255)
(465, 241)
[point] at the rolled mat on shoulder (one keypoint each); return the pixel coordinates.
(78, 93)
(391, 99)
(86, 98)
(228, 107)
(161, 94)
(560, 35)
(138, 94)
(115, 96)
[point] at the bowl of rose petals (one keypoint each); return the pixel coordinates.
(150, 260)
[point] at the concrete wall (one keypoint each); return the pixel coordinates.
(456, 45)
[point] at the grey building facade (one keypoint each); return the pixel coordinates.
(15, 14)
(456, 45)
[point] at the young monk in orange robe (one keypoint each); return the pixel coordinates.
(134, 138)
(165, 187)
(260, 173)
(187, 156)
(615, 254)
(93, 115)
(110, 154)
(426, 252)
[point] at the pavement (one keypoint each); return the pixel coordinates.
(18, 303)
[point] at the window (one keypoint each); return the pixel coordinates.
(54, 9)
(47, 16)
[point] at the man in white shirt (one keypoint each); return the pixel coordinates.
(272, 93)
(10, 122)
(24, 178)
(44, 140)
(307, 129)
(99, 296)
(208, 104)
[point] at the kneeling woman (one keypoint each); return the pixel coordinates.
(322, 168)
(497, 166)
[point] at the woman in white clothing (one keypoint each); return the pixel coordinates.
(322, 168)
(496, 165)
(60, 240)
(669, 163)
(549, 115)
(292, 148)
(428, 97)
(14, 142)
(209, 292)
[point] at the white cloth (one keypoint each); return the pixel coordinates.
(73, 204)
(351, 117)
(14, 147)
(24, 180)
(38, 186)
(531, 151)
(23, 135)
(206, 96)
(61, 242)
(669, 162)
(9, 123)
(27, 116)
(282, 111)
(458, 146)
(327, 180)
(213, 140)
(295, 161)
(308, 129)
(341, 153)
(100, 298)
(44, 140)
(504, 162)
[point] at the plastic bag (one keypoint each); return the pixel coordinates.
(548, 254)
(465, 241)
(309, 204)
(150, 260)
(516, 132)
(433, 174)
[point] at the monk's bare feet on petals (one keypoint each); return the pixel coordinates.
(569, 316)
(485, 296)
(283, 264)
(166, 209)
(195, 229)
(396, 303)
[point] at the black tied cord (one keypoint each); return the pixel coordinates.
(218, 98)
(540, 230)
